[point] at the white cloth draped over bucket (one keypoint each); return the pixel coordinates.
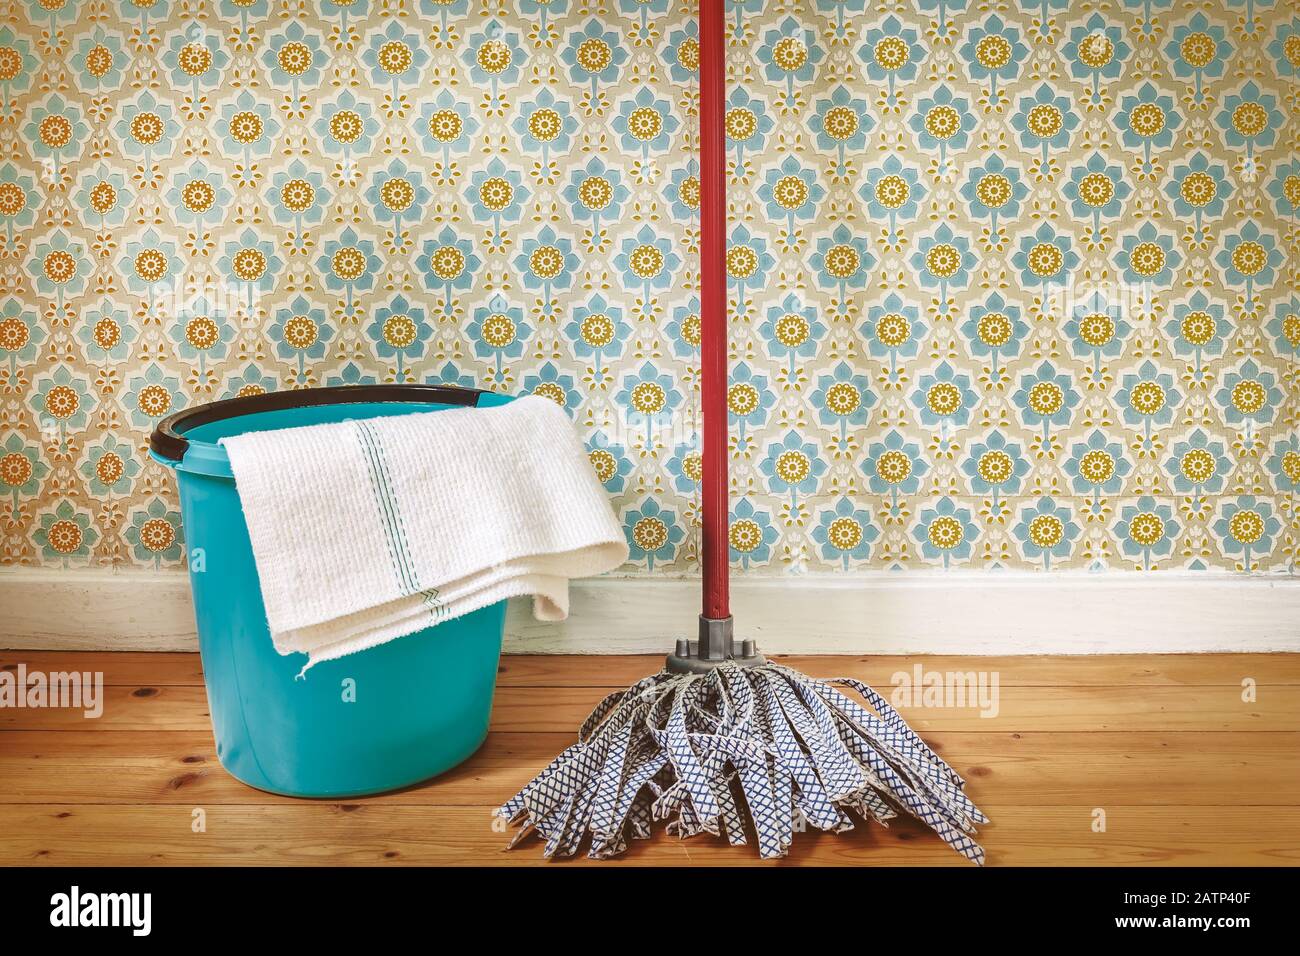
(367, 530)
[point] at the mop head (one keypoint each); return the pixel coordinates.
(738, 750)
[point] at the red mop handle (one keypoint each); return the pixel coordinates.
(713, 305)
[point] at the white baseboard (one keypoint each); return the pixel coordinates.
(881, 613)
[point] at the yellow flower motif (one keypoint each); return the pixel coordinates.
(1197, 328)
(1291, 49)
(1249, 396)
(294, 58)
(445, 126)
(397, 193)
(742, 399)
(1291, 189)
(99, 60)
(745, 535)
(1046, 531)
(544, 124)
(147, 128)
(843, 398)
(1097, 466)
(1197, 50)
(1096, 50)
(246, 391)
(110, 468)
(62, 402)
(892, 192)
(15, 469)
(650, 534)
(689, 192)
(1250, 119)
(202, 333)
(742, 262)
(1147, 119)
(13, 334)
(790, 54)
(1249, 258)
(691, 330)
(688, 54)
(993, 52)
(395, 58)
(1291, 466)
(741, 123)
(301, 332)
(597, 330)
(547, 262)
(891, 53)
(107, 333)
(1096, 329)
(59, 266)
(693, 466)
(943, 260)
(842, 261)
(995, 466)
(792, 330)
(1198, 190)
(1147, 398)
(150, 265)
(594, 54)
(157, 534)
(194, 59)
(1246, 526)
(55, 131)
(552, 390)
(603, 463)
(64, 536)
(649, 398)
(945, 532)
(893, 330)
(942, 121)
(595, 192)
(646, 261)
(13, 200)
(993, 190)
(246, 127)
(1045, 259)
(1146, 528)
(893, 467)
(943, 398)
(1197, 466)
(1096, 189)
(844, 534)
(840, 122)
(154, 400)
(1046, 398)
(349, 264)
(447, 263)
(1045, 120)
(346, 126)
(1291, 330)
(499, 330)
(645, 123)
(793, 466)
(399, 331)
(249, 264)
(297, 195)
(790, 192)
(197, 196)
(1147, 259)
(994, 329)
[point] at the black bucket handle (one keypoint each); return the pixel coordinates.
(168, 438)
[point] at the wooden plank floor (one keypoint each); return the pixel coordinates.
(1184, 769)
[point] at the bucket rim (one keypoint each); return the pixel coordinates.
(168, 442)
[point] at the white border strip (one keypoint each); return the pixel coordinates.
(879, 613)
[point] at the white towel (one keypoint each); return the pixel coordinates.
(367, 530)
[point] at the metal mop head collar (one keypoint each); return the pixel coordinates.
(735, 748)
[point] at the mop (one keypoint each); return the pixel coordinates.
(722, 741)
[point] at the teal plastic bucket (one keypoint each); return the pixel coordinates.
(377, 720)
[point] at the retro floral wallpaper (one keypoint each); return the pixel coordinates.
(1014, 284)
